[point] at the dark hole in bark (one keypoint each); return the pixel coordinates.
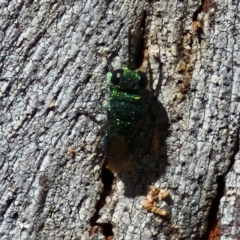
(212, 217)
(107, 180)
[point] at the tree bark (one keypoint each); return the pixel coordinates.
(182, 183)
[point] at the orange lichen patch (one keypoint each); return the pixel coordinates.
(154, 193)
(110, 238)
(159, 211)
(164, 194)
(213, 235)
(71, 152)
(151, 198)
(196, 25)
(149, 204)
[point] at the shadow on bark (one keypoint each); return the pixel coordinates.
(151, 159)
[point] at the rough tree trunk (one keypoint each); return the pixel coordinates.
(184, 181)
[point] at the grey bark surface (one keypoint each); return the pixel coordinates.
(53, 90)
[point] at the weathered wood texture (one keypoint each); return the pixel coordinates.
(53, 86)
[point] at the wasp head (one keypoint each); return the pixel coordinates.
(127, 80)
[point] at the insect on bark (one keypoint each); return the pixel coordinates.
(125, 113)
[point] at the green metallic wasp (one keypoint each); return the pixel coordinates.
(125, 114)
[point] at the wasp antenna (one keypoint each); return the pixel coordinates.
(137, 53)
(129, 46)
